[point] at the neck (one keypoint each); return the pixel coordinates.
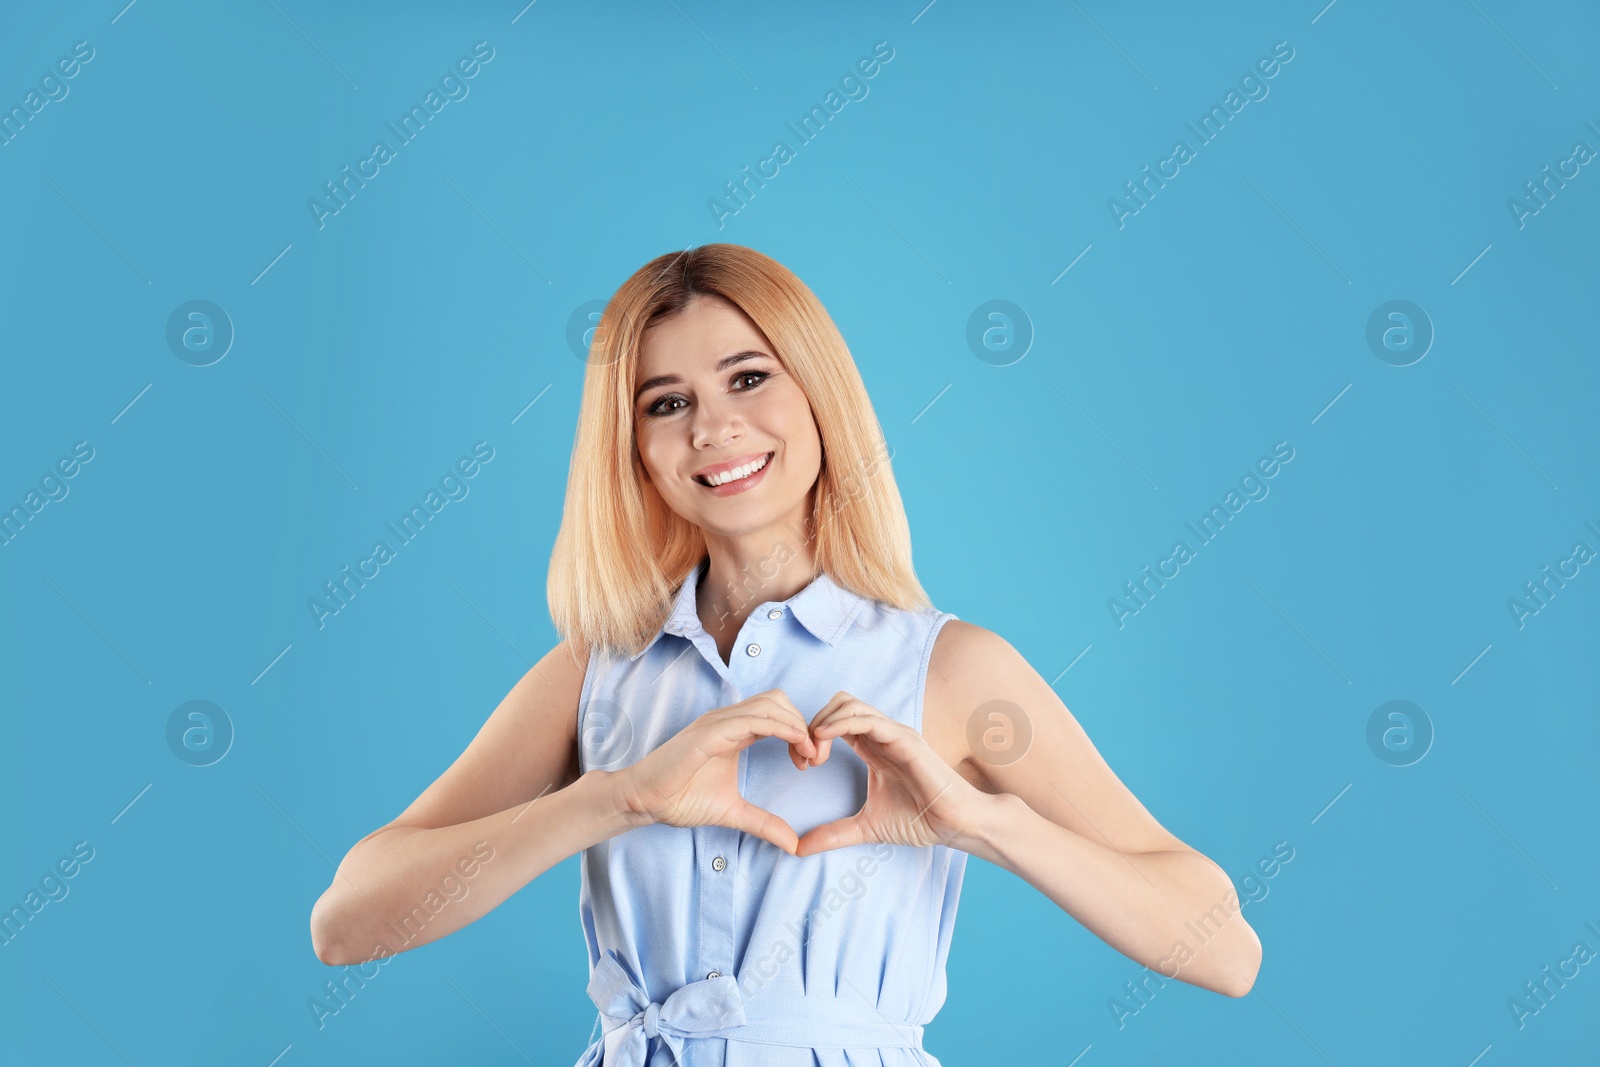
(739, 576)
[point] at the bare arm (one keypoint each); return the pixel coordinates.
(1065, 823)
(511, 807)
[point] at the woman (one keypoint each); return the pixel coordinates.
(733, 584)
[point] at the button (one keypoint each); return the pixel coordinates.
(718, 863)
(752, 650)
(714, 974)
(775, 613)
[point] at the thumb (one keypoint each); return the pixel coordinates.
(763, 824)
(837, 834)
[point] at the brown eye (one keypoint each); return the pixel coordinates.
(659, 408)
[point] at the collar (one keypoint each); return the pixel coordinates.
(823, 607)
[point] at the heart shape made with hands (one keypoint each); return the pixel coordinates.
(913, 797)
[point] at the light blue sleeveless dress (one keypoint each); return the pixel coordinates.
(710, 947)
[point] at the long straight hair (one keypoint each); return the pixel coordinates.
(621, 553)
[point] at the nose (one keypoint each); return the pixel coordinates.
(716, 424)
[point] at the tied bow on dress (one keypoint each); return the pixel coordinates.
(706, 1008)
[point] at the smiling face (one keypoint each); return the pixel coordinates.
(713, 395)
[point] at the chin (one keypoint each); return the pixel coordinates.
(750, 524)
(733, 520)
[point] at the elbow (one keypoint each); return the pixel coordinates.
(1239, 963)
(324, 933)
(1241, 978)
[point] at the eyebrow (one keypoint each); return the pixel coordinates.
(672, 379)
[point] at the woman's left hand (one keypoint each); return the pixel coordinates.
(914, 797)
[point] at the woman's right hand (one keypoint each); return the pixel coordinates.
(692, 779)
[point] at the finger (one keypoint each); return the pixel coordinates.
(801, 747)
(841, 703)
(776, 703)
(836, 834)
(879, 740)
(835, 704)
(871, 723)
(779, 698)
(734, 734)
(908, 756)
(763, 824)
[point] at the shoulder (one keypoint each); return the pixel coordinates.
(565, 668)
(964, 652)
(967, 662)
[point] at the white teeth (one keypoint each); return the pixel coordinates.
(737, 473)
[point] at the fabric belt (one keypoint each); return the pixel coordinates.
(716, 1007)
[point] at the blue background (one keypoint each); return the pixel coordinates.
(1228, 314)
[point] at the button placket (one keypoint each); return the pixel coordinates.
(717, 918)
(745, 674)
(756, 644)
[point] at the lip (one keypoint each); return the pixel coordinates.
(743, 484)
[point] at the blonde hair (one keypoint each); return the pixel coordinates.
(621, 553)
